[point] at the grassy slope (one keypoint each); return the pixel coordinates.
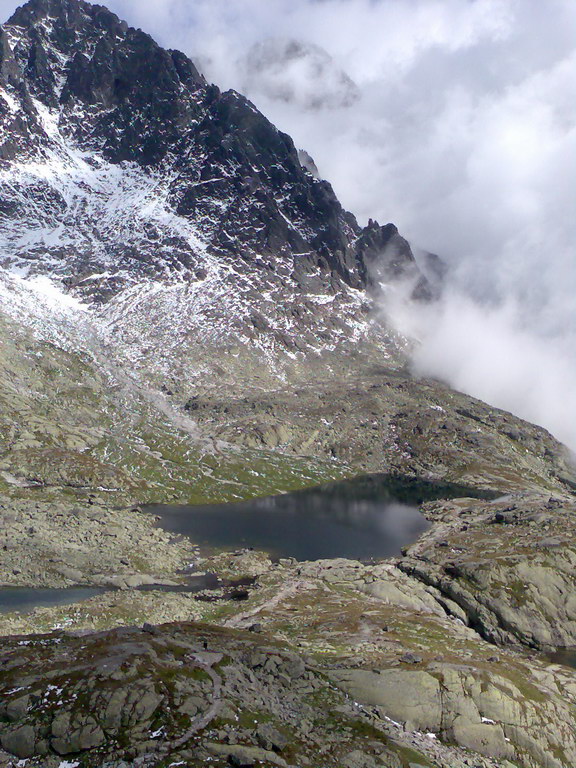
(66, 430)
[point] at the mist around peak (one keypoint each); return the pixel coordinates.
(489, 351)
(461, 131)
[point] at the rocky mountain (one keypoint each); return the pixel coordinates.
(120, 161)
(169, 232)
(188, 314)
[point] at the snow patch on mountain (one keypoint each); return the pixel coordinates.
(41, 305)
(12, 103)
(74, 209)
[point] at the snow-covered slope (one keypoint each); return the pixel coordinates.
(177, 215)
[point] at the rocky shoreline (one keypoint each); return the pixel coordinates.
(64, 545)
(440, 641)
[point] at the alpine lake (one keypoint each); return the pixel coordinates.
(368, 518)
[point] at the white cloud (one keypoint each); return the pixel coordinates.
(488, 350)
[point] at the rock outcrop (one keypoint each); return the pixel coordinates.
(184, 692)
(508, 565)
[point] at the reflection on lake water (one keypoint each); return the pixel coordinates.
(362, 519)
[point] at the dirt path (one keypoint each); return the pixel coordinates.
(204, 662)
(288, 590)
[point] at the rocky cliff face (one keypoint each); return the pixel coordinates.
(98, 125)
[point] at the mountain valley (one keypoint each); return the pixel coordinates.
(189, 316)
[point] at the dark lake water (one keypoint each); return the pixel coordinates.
(365, 518)
(564, 656)
(25, 599)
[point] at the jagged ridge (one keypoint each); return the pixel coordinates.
(124, 161)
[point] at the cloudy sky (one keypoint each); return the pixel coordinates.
(455, 119)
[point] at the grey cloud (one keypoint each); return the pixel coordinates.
(301, 74)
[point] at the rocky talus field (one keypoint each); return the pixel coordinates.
(188, 315)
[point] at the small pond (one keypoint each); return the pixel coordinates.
(27, 598)
(366, 518)
(564, 656)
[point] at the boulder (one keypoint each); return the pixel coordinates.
(486, 739)
(85, 735)
(20, 742)
(270, 738)
(245, 757)
(406, 695)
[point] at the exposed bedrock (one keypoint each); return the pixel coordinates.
(509, 565)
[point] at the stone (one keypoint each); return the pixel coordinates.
(85, 735)
(73, 574)
(20, 742)
(60, 724)
(397, 590)
(191, 706)
(17, 708)
(405, 695)
(294, 667)
(141, 705)
(271, 738)
(359, 759)
(112, 715)
(245, 757)
(487, 740)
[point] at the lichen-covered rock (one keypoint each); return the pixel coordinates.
(20, 741)
(411, 697)
(245, 757)
(485, 739)
(496, 569)
(82, 733)
(483, 712)
(184, 691)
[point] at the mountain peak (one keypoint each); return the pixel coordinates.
(69, 11)
(143, 169)
(64, 23)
